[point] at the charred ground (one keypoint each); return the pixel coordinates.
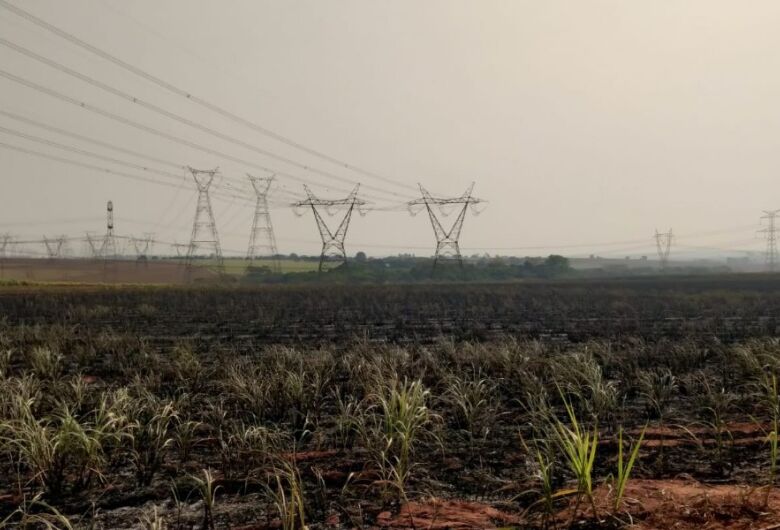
(390, 406)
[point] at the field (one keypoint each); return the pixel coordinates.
(155, 271)
(238, 266)
(644, 403)
(92, 271)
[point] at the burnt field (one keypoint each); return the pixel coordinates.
(727, 307)
(117, 271)
(646, 403)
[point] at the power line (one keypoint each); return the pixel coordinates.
(145, 128)
(195, 99)
(110, 146)
(84, 165)
(87, 139)
(176, 117)
(84, 152)
(91, 154)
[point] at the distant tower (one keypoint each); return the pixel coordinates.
(770, 233)
(182, 249)
(142, 246)
(54, 247)
(5, 243)
(262, 241)
(332, 242)
(447, 241)
(204, 228)
(108, 250)
(94, 248)
(663, 244)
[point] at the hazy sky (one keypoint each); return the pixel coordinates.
(582, 122)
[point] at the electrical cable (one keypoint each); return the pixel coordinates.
(190, 97)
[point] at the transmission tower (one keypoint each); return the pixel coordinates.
(663, 244)
(447, 245)
(204, 227)
(770, 233)
(94, 244)
(54, 247)
(182, 249)
(262, 241)
(5, 243)
(142, 246)
(108, 249)
(332, 242)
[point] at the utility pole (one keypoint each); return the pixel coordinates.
(204, 227)
(447, 241)
(770, 233)
(663, 244)
(262, 240)
(332, 242)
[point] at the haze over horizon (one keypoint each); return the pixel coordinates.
(585, 126)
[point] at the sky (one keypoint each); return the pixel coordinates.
(585, 126)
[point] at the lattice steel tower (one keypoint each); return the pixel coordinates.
(54, 247)
(663, 244)
(332, 242)
(770, 233)
(5, 243)
(181, 249)
(204, 227)
(142, 247)
(447, 241)
(92, 242)
(262, 241)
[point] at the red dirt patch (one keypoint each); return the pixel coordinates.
(743, 434)
(438, 514)
(691, 505)
(307, 456)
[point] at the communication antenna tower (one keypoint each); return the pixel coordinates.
(204, 227)
(54, 247)
(109, 250)
(332, 242)
(770, 233)
(262, 241)
(663, 244)
(447, 241)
